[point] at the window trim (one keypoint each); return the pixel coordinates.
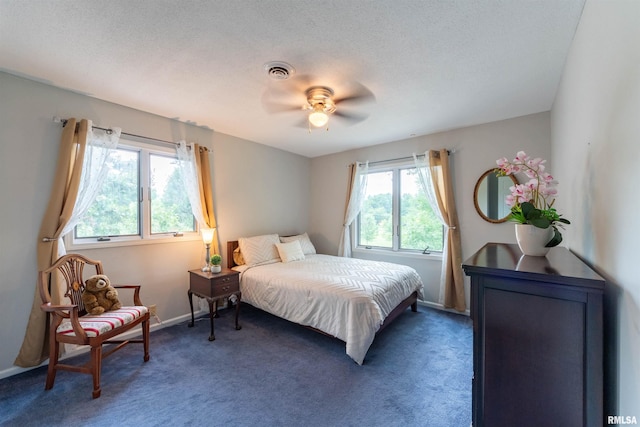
(144, 208)
(395, 167)
(403, 253)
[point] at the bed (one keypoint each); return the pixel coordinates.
(350, 299)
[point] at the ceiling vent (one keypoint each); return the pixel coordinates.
(279, 70)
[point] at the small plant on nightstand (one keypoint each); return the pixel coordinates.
(215, 263)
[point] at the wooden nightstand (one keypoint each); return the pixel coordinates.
(213, 287)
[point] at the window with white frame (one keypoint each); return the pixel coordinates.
(395, 213)
(142, 199)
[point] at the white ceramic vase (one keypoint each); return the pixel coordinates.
(216, 269)
(532, 240)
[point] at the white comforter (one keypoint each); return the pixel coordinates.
(344, 297)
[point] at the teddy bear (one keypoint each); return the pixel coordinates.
(99, 296)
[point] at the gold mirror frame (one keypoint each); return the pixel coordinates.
(475, 197)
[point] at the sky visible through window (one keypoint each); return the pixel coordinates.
(378, 183)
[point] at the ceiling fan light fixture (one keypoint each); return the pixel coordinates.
(318, 117)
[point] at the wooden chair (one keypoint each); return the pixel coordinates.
(71, 324)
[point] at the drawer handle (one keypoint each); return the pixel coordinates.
(226, 288)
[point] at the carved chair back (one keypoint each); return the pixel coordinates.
(69, 270)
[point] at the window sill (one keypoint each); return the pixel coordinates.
(434, 256)
(69, 244)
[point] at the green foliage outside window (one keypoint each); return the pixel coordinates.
(376, 221)
(170, 207)
(117, 209)
(419, 227)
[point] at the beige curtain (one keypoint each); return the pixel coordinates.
(452, 269)
(357, 187)
(206, 194)
(353, 171)
(63, 197)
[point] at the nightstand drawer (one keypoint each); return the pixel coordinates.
(224, 286)
(214, 285)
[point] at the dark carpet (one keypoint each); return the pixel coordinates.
(270, 373)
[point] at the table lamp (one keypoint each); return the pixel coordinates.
(207, 238)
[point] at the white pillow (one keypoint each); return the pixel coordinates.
(291, 251)
(259, 249)
(305, 243)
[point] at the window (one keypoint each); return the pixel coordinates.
(142, 198)
(396, 215)
(169, 204)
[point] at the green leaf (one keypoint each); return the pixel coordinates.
(534, 214)
(555, 240)
(517, 217)
(540, 222)
(527, 209)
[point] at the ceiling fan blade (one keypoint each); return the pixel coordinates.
(293, 87)
(302, 123)
(286, 95)
(274, 108)
(359, 94)
(350, 117)
(278, 101)
(301, 82)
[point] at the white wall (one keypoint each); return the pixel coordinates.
(596, 140)
(257, 189)
(476, 149)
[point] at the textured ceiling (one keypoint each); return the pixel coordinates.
(432, 65)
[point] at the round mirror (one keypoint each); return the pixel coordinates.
(489, 196)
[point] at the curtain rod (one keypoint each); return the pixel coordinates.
(108, 130)
(401, 158)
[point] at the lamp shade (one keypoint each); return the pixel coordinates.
(318, 117)
(207, 235)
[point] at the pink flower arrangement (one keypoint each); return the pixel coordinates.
(540, 190)
(532, 202)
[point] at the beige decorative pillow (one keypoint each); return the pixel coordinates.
(305, 243)
(238, 259)
(291, 251)
(259, 249)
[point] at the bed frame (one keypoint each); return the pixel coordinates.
(410, 301)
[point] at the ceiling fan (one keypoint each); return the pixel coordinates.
(321, 103)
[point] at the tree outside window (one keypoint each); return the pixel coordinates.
(396, 215)
(142, 196)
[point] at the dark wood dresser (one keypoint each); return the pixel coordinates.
(537, 338)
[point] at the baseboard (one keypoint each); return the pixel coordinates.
(14, 370)
(441, 307)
